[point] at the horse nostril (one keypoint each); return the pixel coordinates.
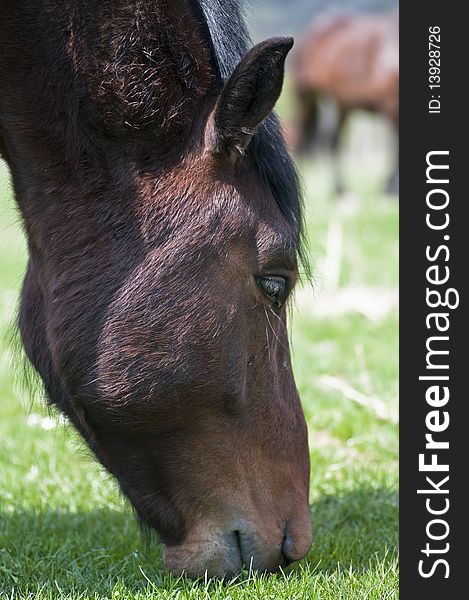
(248, 548)
(237, 537)
(287, 562)
(287, 546)
(289, 550)
(298, 537)
(243, 544)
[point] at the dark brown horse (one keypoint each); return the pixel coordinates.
(163, 223)
(352, 59)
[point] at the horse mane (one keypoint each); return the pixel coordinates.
(228, 39)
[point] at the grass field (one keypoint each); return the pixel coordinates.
(65, 532)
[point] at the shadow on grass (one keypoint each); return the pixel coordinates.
(355, 528)
(62, 553)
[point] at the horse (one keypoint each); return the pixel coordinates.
(353, 60)
(164, 227)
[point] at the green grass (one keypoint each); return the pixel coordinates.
(65, 532)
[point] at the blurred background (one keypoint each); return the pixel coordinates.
(289, 17)
(344, 340)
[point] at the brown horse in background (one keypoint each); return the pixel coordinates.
(163, 219)
(352, 59)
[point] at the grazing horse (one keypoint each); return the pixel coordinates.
(163, 221)
(352, 59)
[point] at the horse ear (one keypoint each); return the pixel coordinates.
(247, 97)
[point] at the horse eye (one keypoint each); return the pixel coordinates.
(274, 288)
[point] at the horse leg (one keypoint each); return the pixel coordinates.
(335, 140)
(392, 187)
(307, 121)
